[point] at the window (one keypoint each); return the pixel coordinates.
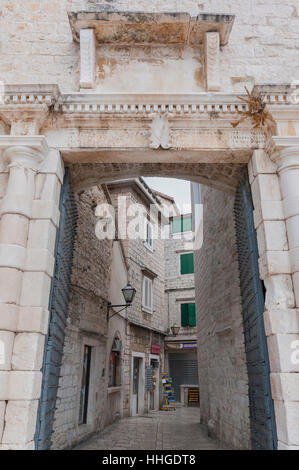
(187, 263)
(147, 295)
(85, 385)
(148, 234)
(115, 363)
(188, 314)
(181, 224)
(114, 367)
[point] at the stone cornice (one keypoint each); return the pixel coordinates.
(25, 107)
(178, 104)
(30, 94)
(284, 94)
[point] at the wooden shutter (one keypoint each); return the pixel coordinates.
(176, 225)
(147, 293)
(184, 315)
(192, 314)
(187, 224)
(187, 263)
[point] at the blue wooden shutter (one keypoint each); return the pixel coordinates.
(58, 309)
(261, 407)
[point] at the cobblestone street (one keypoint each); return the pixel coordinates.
(160, 430)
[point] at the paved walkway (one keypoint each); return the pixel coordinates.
(169, 430)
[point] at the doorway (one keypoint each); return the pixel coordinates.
(154, 396)
(137, 397)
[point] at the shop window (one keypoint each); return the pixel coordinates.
(187, 263)
(188, 314)
(85, 382)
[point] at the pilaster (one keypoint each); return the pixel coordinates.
(31, 174)
(274, 176)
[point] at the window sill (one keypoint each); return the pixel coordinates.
(146, 310)
(114, 389)
(148, 247)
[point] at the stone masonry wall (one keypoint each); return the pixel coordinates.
(86, 326)
(37, 45)
(179, 288)
(223, 379)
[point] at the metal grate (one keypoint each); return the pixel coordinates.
(183, 370)
(262, 417)
(58, 308)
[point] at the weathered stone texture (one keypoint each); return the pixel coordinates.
(223, 380)
(86, 325)
(39, 47)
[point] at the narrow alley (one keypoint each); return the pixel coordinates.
(159, 430)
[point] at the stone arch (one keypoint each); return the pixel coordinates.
(222, 176)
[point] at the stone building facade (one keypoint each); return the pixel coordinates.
(147, 324)
(181, 349)
(87, 326)
(112, 106)
(221, 352)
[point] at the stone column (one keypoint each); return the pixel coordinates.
(29, 218)
(272, 191)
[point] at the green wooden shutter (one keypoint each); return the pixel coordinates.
(186, 224)
(187, 263)
(192, 314)
(184, 314)
(176, 226)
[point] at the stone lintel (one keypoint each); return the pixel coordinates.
(139, 28)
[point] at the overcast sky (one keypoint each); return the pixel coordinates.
(178, 189)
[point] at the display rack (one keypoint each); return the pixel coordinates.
(168, 393)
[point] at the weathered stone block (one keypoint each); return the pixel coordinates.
(20, 422)
(281, 321)
(4, 384)
(9, 317)
(2, 415)
(279, 292)
(261, 163)
(10, 285)
(284, 352)
(33, 319)
(24, 385)
(274, 262)
(285, 387)
(40, 260)
(287, 419)
(35, 289)
(45, 210)
(6, 347)
(28, 351)
(42, 234)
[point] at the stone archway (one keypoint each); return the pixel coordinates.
(102, 128)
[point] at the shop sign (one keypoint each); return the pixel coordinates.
(155, 349)
(188, 345)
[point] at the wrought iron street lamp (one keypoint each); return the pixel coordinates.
(129, 294)
(175, 329)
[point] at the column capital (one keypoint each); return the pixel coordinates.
(23, 151)
(284, 152)
(25, 107)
